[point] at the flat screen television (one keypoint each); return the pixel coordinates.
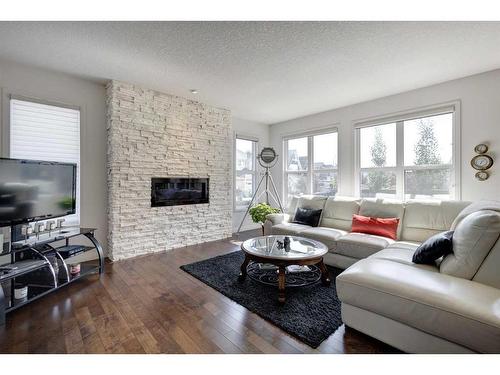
(33, 190)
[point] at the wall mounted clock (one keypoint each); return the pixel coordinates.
(482, 175)
(481, 162)
(481, 148)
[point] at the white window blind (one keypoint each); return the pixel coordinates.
(46, 132)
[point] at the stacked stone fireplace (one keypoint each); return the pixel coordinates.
(156, 135)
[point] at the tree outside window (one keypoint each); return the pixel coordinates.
(424, 169)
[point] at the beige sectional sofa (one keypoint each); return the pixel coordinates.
(450, 307)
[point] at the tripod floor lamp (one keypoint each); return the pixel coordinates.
(267, 159)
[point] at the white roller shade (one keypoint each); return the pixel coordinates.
(46, 132)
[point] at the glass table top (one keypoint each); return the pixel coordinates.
(273, 247)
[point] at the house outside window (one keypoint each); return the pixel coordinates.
(311, 164)
(245, 172)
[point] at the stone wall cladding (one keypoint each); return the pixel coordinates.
(151, 134)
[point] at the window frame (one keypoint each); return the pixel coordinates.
(255, 150)
(399, 118)
(310, 160)
(74, 219)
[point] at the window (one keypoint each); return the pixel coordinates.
(245, 176)
(311, 165)
(46, 132)
(408, 158)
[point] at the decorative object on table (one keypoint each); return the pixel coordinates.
(311, 314)
(267, 159)
(280, 244)
(266, 266)
(26, 231)
(299, 269)
(259, 213)
(21, 292)
(50, 225)
(481, 162)
(74, 269)
(286, 243)
(39, 227)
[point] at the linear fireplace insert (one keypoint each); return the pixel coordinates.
(178, 191)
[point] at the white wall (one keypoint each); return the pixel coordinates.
(90, 97)
(480, 122)
(261, 132)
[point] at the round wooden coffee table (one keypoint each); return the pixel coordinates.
(272, 250)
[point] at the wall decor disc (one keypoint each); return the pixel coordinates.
(482, 175)
(481, 162)
(481, 148)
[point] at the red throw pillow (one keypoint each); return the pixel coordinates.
(376, 226)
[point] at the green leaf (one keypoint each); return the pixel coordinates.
(260, 211)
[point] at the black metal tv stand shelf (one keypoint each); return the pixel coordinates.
(41, 264)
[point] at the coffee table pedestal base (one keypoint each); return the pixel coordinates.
(281, 264)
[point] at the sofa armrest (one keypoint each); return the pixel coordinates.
(276, 219)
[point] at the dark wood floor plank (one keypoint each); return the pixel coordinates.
(148, 305)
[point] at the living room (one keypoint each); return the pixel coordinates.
(249, 187)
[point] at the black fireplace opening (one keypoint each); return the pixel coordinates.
(178, 191)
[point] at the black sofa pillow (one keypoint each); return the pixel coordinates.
(307, 216)
(434, 248)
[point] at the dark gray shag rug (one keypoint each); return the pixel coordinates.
(311, 313)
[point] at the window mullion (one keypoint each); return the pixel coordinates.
(400, 159)
(310, 153)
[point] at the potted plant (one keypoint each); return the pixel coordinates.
(259, 213)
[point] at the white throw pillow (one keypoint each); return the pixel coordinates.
(472, 241)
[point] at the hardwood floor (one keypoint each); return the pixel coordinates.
(148, 305)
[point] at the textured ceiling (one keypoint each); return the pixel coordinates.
(262, 71)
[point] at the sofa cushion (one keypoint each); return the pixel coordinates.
(402, 253)
(338, 212)
(383, 208)
(455, 309)
(423, 219)
(289, 228)
(375, 225)
(307, 216)
(328, 236)
(313, 202)
(360, 245)
(434, 248)
(473, 239)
